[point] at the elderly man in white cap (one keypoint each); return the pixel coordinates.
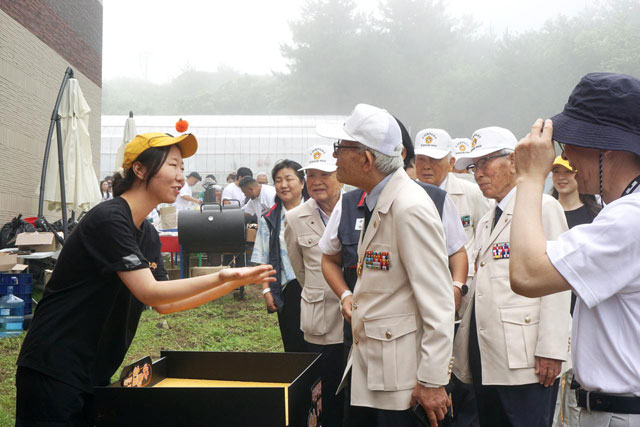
(320, 317)
(434, 161)
(511, 347)
(402, 308)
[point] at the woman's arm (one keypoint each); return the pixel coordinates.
(211, 294)
(154, 293)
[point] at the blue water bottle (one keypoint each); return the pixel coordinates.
(11, 312)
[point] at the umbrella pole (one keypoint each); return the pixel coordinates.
(63, 196)
(55, 119)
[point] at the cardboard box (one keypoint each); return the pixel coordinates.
(37, 241)
(251, 233)
(168, 218)
(47, 276)
(220, 389)
(203, 271)
(9, 263)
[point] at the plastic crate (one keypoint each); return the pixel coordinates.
(17, 289)
(23, 278)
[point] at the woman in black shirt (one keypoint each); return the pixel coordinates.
(110, 268)
(578, 208)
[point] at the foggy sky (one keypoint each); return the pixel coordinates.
(158, 39)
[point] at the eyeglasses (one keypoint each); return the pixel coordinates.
(481, 163)
(337, 147)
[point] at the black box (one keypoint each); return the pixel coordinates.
(185, 405)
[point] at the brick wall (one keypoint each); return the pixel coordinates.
(30, 76)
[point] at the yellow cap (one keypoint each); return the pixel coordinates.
(562, 162)
(187, 143)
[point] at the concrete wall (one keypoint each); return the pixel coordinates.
(39, 39)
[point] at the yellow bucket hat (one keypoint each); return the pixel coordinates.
(562, 162)
(187, 143)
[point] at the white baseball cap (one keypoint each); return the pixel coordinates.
(434, 143)
(460, 146)
(486, 141)
(370, 126)
(321, 157)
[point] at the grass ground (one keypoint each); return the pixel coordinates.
(222, 325)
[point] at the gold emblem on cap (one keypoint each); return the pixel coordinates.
(317, 155)
(428, 139)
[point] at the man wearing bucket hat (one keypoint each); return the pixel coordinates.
(510, 347)
(599, 132)
(434, 161)
(320, 316)
(402, 308)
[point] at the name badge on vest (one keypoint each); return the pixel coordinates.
(466, 220)
(359, 222)
(376, 260)
(501, 250)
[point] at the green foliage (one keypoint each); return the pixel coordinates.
(424, 66)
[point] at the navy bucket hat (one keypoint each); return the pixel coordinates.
(603, 112)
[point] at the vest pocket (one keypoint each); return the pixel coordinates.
(521, 334)
(391, 353)
(312, 311)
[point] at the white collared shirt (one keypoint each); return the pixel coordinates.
(601, 262)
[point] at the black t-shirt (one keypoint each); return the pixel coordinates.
(582, 215)
(87, 318)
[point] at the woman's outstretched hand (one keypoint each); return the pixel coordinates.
(248, 275)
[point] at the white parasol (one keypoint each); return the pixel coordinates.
(130, 132)
(81, 183)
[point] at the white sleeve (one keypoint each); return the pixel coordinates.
(600, 260)
(453, 230)
(329, 243)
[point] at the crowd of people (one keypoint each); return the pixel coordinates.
(445, 288)
(410, 291)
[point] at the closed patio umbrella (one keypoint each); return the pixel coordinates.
(130, 132)
(81, 183)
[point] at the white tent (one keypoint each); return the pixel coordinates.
(81, 183)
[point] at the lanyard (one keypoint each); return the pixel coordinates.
(631, 187)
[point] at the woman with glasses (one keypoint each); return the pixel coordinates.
(282, 296)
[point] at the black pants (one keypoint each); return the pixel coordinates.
(371, 417)
(289, 319)
(331, 366)
(527, 405)
(44, 401)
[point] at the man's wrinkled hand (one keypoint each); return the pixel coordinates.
(346, 308)
(271, 303)
(535, 153)
(547, 370)
(434, 401)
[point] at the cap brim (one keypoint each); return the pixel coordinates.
(324, 167)
(188, 145)
(434, 153)
(464, 160)
(333, 131)
(572, 131)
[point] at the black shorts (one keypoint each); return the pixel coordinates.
(44, 401)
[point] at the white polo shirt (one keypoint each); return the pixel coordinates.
(261, 204)
(233, 192)
(453, 231)
(601, 262)
(182, 204)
